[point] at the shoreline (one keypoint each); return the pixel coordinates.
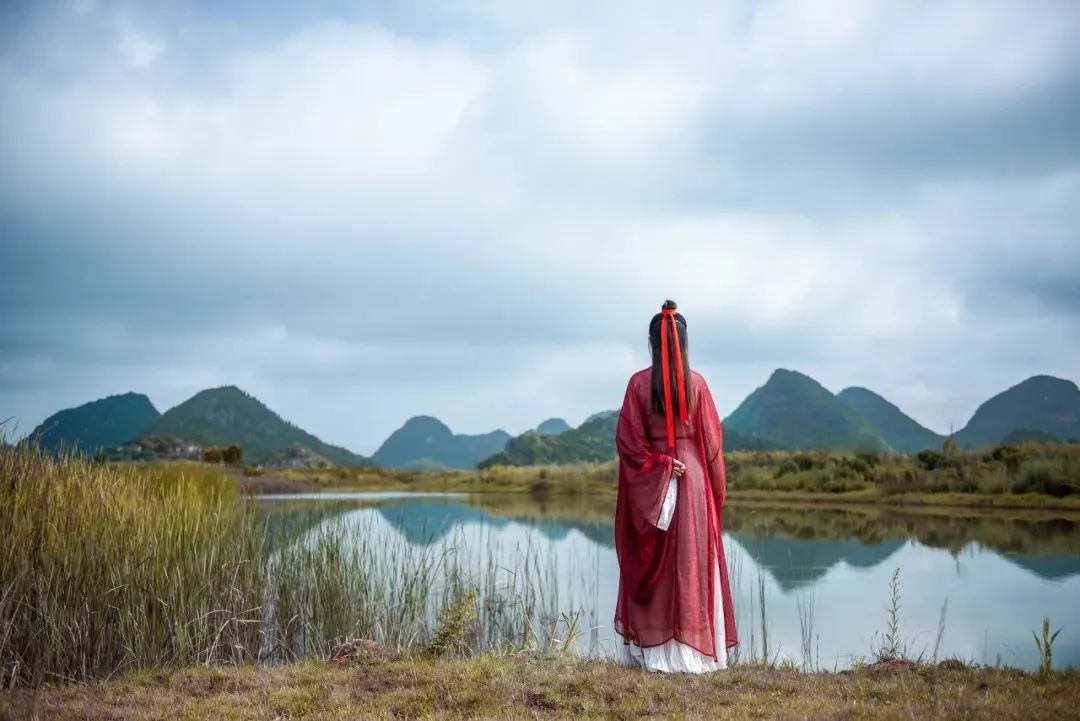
(471, 483)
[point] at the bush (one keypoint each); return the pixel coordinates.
(1042, 477)
(1010, 456)
(751, 478)
(870, 459)
(858, 465)
(787, 467)
(233, 455)
(894, 482)
(931, 460)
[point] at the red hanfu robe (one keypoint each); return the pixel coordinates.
(667, 577)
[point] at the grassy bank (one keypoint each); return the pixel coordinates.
(524, 687)
(164, 566)
(120, 567)
(1022, 476)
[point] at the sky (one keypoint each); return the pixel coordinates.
(361, 212)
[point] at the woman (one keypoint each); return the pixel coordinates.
(674, 609)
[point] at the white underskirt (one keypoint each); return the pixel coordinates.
(675, 656)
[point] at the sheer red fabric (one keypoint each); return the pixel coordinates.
(666, 577)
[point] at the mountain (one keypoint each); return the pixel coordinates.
(1026, 435)
(98, 425)
(799, 413)
(736, 440)
(592, 441)
(601, 414)
(1041, 403)
(901, 431)
(553, 427)
(425, 442)
(228, 415)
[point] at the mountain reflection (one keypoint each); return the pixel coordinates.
(796, 546)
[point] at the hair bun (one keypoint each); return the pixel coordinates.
(670, 305)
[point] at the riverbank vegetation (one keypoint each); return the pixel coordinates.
(133, 566)
(122, 567)
(1022, 475)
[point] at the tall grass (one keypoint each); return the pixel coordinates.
(111, 567)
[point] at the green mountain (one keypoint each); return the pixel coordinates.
(98, 425)
(426, 443)
(1041, 403)
(228, 415)
(799, 413)
(736, 440)
(1026, 435)
(592, 441)
(553, 427)
(901, 431)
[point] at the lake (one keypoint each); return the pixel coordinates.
(811, 584)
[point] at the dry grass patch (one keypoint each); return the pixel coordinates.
(492, 686)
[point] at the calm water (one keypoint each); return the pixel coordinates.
(986, 580)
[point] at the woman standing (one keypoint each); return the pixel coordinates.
(674, 609)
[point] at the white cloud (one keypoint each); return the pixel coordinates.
(358, 224)
(139, 51)
(618, 112)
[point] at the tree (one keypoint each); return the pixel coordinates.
(233, 455)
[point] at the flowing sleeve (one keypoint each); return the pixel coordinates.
(644, 481)
(713, 437)
(644, 475)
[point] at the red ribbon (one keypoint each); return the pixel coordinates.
(668, 320)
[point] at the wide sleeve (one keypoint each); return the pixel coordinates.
(644, 474)
(712, 431)
(641, 545)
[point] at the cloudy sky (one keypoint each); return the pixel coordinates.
(360, 212)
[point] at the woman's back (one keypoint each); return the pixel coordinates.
(674, 606)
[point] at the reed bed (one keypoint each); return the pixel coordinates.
(107, 567)
(114, 567)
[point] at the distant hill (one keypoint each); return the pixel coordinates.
(228, 415)
(98, 425)
(797, 412)
(736, 440)
(553, 427)
(1026, 435)
(425, 442)
(601, 414)
(1040, 403)
(900, 431)
(593, 441)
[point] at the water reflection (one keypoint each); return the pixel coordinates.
(993, 576)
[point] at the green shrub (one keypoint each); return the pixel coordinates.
(787, 467)
(931, 460)
(233, 455)
(1044, 477)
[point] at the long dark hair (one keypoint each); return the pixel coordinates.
(657, 372)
